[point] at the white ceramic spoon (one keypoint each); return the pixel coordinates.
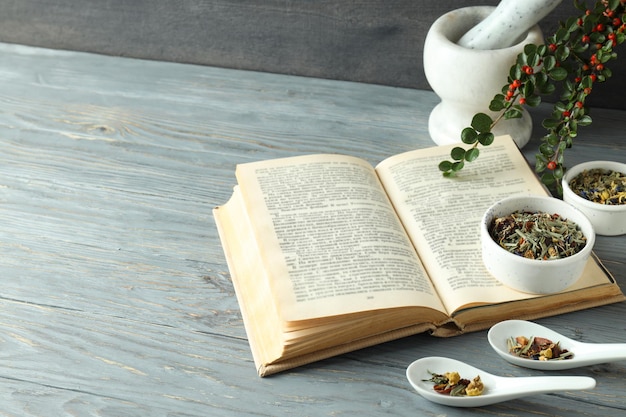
(585, 354)
(497, 388)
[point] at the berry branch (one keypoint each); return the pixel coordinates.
(574, 58)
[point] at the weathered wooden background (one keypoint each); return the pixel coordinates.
(372, 41)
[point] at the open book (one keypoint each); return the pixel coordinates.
(328, 254)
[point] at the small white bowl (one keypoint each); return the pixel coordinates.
(533, 275)
(607, 220)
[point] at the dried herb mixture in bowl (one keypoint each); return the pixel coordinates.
(535, 244)
(598, 189)
(537, 235)
(602, 186)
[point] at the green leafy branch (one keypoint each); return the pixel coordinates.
(574, 58)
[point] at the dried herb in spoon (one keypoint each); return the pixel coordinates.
(453, 385)
(537, 348)
(538, 235)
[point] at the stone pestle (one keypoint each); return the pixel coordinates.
(508, 24)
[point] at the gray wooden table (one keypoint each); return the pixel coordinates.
(115, 297)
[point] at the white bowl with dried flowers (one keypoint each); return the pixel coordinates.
(598, 189)
(535, 244)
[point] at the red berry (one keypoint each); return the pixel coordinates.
(522, 100)
(617, 22)
(528, 69)
(593, 77)
(599, 67)
(552, 46)
(579, 104)
(587, 90)
(577, 79)
(566, 113)
(600, 27)
(551, 165)
(585, 39)
(516, 83)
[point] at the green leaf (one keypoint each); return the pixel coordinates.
(542, 49)
(445, 166)
(472, 154)
(560, 35)
(516, 72)
(558, 173)
(497, 103)
(562, 52)
(469, 136)
(457, 153)
(559, 107)
(585, 120)
(558, 73)
(547, 88)
(529, 87)
(530, 49)
(552, 139)
(533, 59)
(540, 164)
(597, 37)
(549, 62)
(486, 138)
(457, 166)
(533, 101)
(546, 150)
(482, 123)
(573, 127)
(512, 114)
(540, 79)
(550, 123)
(548, 179)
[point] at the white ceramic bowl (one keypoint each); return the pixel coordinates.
(532, 275)
(607, 220)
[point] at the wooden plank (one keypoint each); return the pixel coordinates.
(115, 296)
(368, 41)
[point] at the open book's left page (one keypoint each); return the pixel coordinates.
(331, 242)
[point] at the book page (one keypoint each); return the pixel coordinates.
(442, 215)
(332, 242)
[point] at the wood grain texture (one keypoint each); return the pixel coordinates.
(372, 41)
(115, 298)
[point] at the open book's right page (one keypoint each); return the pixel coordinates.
(442, 215)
